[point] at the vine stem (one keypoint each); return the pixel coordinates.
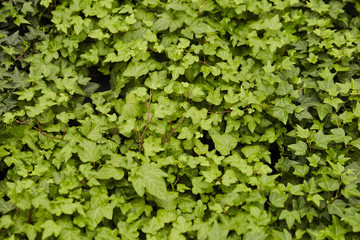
(20, 55)
(172, 131)
(147, 123)
(41, 132)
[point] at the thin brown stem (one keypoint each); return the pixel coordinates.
(227, 111)
(29, 220)
(40, 131)
(337, 192)
(148, 121)
(20, 55)
(189, 94)
(182, 119)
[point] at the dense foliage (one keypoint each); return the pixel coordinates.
(186, 119)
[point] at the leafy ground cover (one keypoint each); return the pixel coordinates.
(186, 119)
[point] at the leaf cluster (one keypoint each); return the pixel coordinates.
(202, 119)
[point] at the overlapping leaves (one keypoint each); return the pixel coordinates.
(213, 120)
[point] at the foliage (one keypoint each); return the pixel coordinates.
(202, 119)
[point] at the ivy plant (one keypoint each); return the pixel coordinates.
(180, 119)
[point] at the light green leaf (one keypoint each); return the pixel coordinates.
(300, 148)
(251, 152)
(136, 69)
(229, 177)
(323, 110)
(278, 198)
(6, 207)
(290, 217)
(152, 146)
(217, 231)
(322, 140)
(6, 222)
(50, 228)
(214, 96)
(149, 177)
(337, 208)
(339, 136)
(224, 143)
(336, 230)
(107, 172)
(301, 170)
(89, 151)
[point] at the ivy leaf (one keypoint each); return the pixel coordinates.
(157, 80)
(290, 217)
(328, 82)
(152, 146)
(217, 231)
(336, 230)
(107, 172)
(278, 198)
(38, 67)
(251, 152)
(339, 136)
(337, 208)
(89, 151)
(224, 143)
(302, 133)
(301, 170)
(136, 69)
(230, 97)
(149, 177)
(353, 220)
(300, 148)
(283, 107)
(323, 110)
(50, 228)
(322, 140)
(215, 97)
(6, 207)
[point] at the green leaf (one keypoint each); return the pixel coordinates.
(89, 151)
(251, 152)
(200, 186)
(149, 177)
(229, 177)
(290, 217)
(301, 132)
(50, 228)
(301, 170)
(6, 207)
(217, 231)
(181, 224)
(328, 82)
(316, 198)
(224, 143)
(336, 230)
(322, 140)
(136, 69)
(339, 136)
(353, 220)
(215, 97)
(6, 222)
(323, 110)
(337, 207)
(157, 80)
(152, 146)
(196, 115)
(278, 198)
(300, 148)
(107, 172)
(230, 97)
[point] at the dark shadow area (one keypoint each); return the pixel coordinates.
(275, 156)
